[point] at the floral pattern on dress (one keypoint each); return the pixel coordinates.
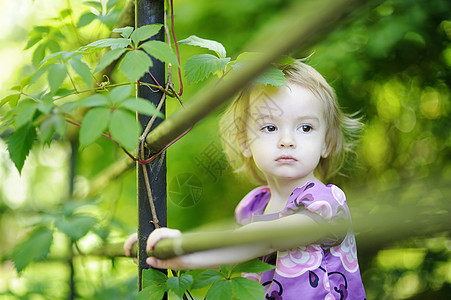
(347, 252)
(296, 262)
(323, 208)
(339, 195)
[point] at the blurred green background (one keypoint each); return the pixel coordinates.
(389, 61)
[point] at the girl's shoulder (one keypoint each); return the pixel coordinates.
(254, 201)
(324, 192)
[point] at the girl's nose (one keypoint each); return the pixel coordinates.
(287, 141)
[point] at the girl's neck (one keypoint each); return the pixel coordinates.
(281, 190)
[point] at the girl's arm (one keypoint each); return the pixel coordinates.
(232, 255)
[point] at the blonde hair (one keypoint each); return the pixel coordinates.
(341, 129)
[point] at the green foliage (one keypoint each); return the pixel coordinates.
(20, 143)
(35, 248)
(223, 283)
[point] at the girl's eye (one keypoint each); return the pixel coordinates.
(269, 128)
(306, 128)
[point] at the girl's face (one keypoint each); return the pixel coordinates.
(286, 133)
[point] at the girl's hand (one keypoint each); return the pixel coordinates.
(129, 242)
(176, 263)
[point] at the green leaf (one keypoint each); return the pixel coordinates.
(24, 82)
(217, 47)
(38, 54)
(93, 125)
(11, 99)
(152, 292)
(113, 43)
(108, 58)
(93, 101)
(86, 19)
(225, 269)
(82, 69)
(35, 248)
(273, 76)
(179, 285)
(199, 67)
(252, 266)
(161, 51)
(141, 106)
(75, 226)
(39, 72)
(57, 74)
(20, 143)
(125, 129)
(152, 276)
(94, 4)
(244, 288)
(119, 94)
(220, 290)
(33, 41)
(50, 126)
(135, 64)
(124, 31)
(206, 277)
(144, 32)
(26, 113)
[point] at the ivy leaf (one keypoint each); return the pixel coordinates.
(35, 248)
(217, 47)
(135, 64)
(124, 128)
(113, 43)
(75, 226)
(119, 94)
(108, 58)
(179, 285)
(220, 290)
(11, 99)
(124, 31)
(252, 266)
(57, 74)
(20, 143)
(160, 51)
(244, 288)
(94, 123)
(152, 276)
(205, 278)
(82, 69)
(144, 32)
(141, 106)
(199, 67)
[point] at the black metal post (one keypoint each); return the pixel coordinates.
(150, 12)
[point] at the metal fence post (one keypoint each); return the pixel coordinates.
(150, 12)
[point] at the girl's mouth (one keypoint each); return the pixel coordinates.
(286, 159)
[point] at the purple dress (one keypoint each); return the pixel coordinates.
(327, 270)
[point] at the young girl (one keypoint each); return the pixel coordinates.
(288, 137)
